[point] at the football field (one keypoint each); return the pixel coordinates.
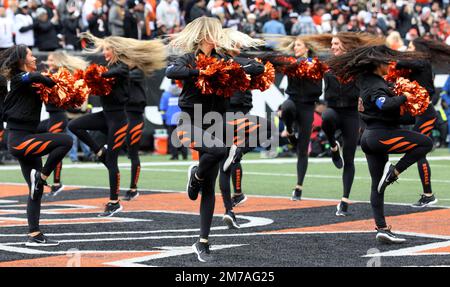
(159, 227)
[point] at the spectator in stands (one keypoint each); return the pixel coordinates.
(168, 16)
(274, 26)
(97, 23)
(305, 25)
(6, 30)
(72, 26)
(198, 10)
(116, 17)
(251, 27)
(131, 20)
(45, 31)
(23, 26)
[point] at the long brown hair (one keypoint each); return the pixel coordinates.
(439, 52)
(367, 59)
(349, 40)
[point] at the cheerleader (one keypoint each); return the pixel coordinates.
(135, 114)
(204, 36)
(238, 110)
(298, 109)
(421, 71)
(382, 136)
(22, 110)
(342, 110)
(121, 54)
(57, 121)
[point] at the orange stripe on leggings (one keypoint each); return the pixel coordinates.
(427, 123)
(399, 145)
(137, 127)
(55, 126)
(119, 144)
(32, 146)
(118, 138)
(57, 131)
(121, 130)
(391, 141)
(236, 122)
(252, 129)
(138, 133)
(244, 125)
(43, 147)
(135, 140)
(408, 148)
(427, 129)
(23, 145)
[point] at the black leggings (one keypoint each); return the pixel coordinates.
(302, 116)
(377, 144)
(346, 120)
(424, 125)
(28, 148)
(249, 132)
(56, 123)
(115, 125)
(134, 134)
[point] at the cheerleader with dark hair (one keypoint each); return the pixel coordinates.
(22, 110)
(438, 55)
(383, 135)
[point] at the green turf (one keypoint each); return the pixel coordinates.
(322, 179)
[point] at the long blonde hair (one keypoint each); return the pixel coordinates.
(147, 56)
(285, 44)
(72, 63)
(239, 40)
(202, 28)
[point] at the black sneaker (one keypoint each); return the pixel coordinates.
(194, 185)
(238, 199)
(111, 209)
(296, 194)
(130, 195)
(37, 183)
(55, 189)
(425, 201)
(388, 237)
(342, 209)
(102, 158)
(388, 177)
(202, 251)
(234, 156)
(40, 240)
(230, 220)
(337, 157)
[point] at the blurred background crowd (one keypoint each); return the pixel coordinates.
(54, 24)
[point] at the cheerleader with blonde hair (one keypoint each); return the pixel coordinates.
(204, 36)
(122, 55)
(57, 121)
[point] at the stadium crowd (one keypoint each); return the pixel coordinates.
(53, 24)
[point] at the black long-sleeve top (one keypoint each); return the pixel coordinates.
(118, 97)
(340, 95)
(302, 90)
(422, 72)
(381, 105)
(137, 98)
(244, 99)
(22, 106)
(185, 68)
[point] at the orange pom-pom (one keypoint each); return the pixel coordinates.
(66, 93)
(99, 86)
(394, 73)
(265, 80)
(313, 70)
(220, 77)
(418, 98)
